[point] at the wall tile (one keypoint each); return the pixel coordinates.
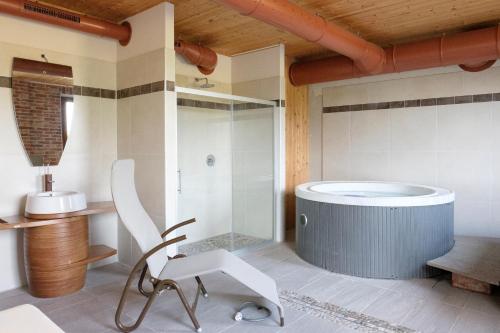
(124, 128)
(469, 174)
(149, 182)
(268, 88)
(316, 136)
(147, 124)
(336, 166)
(495, 221)
(465, 127)
(345, 95)
(496, 176)
(480, 83)
(10, 142)
(495, 109)
(414, 129)
(414, 167)
(473, 218)
(370, 131)
(373, 166)
(337, 132)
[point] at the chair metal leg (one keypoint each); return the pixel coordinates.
(202, 287)
(140, 284)
(282, 318)
(198, 280)
(190, 310)
(158, 287)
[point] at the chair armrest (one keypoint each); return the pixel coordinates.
(155, 249)
(178, 225)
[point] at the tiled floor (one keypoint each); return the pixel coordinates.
(429, 305)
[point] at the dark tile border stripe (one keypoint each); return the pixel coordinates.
(219, 106)
(6, 82)
(170, 86)
(280, 102)
(147, 88)
(108, 93)
(203, 104)
(479, 98)
(249, 106)
(91, 92)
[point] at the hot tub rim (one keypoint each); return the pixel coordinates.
(441, 196)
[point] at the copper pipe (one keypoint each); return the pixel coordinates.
(285, 15)
(474, 49)
(36, 11)
(202, 57)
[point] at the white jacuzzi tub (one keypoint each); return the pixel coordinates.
(379, 194)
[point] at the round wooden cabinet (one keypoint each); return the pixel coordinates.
(57, 249)
(53, 257)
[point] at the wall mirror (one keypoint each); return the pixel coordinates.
(42, 95)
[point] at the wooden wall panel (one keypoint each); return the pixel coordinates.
(297, 143)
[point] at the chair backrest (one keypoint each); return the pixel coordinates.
(134, 216)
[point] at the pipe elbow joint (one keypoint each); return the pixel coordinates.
(372, 61)
(128, 33)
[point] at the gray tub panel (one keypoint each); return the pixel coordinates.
(376, 242)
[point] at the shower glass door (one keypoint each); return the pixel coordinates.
(225, 162)
(253, 171)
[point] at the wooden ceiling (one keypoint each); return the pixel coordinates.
(383, 22)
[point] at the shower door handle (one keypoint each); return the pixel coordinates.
(179, 181)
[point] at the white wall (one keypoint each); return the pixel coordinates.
(185, 74)
(452, 146)
(259, 74)
(86, 162)
(145, 133)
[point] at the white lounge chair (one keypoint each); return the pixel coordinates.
(165, 271)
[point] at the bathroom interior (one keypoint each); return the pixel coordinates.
(249, 166)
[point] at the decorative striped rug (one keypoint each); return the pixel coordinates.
(340, 315)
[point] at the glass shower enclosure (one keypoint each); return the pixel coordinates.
(226, 170)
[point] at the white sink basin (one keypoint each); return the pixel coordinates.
(55, 202)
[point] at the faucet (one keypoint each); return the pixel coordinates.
(47, 177)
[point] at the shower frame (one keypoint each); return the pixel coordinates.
(278, 151)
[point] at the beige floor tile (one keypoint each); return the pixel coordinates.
(299, 278)
(432, 317)
(354, 295)
(310, 324)
(489, 304)
(89, 316)
(17, 297)
(473, 321)
(392, 306)
(322, 289)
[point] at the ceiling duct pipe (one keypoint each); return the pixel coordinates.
(202, 57)
(472, 50)
(36, 11)
(367, 56)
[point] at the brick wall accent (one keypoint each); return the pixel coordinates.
(39, 119)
